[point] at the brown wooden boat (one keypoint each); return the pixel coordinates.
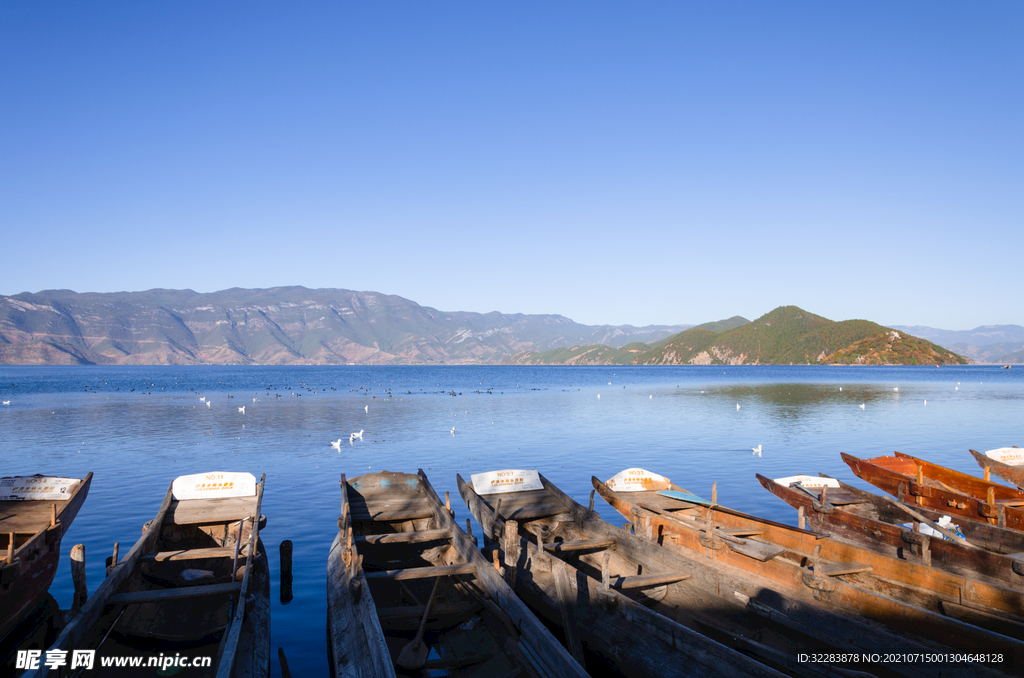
(1013, 473)
(400, 565)
(195, 585)
(35, 512)
(918, 606)
(878, 523)
(957, 494)
(594, 582)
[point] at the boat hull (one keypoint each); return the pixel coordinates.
(847, 585)
(876, 524)
(897, 476)
(26, 582)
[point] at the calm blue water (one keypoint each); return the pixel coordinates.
(137, 428)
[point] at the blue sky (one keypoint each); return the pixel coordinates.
(612, 162)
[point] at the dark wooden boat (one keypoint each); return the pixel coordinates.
(878, 523)
(196, 585)
(397, 547)
(816, 572)
(610, 592)
(1013, 473)
(35, 512)
(957, 494)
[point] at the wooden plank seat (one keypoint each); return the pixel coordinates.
(193, 554)
(843, 568)
(436, 610)
(644, 581)
(404, 537)
(525, 505)
(582, 545)
(163, 595)
(389, 507)
(422, 572)
(199, 511)
(742, 531)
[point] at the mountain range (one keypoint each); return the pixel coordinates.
(282, 325)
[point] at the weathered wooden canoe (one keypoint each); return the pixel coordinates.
(195, 585)
(999, 463)
(596, 582)
(395, 543)
(35, 512)
(823, 574)
(957, 494)
(877, 523)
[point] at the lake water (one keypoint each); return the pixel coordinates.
(137, 428)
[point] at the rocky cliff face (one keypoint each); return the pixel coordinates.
(288, 325)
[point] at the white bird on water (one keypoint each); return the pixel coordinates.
(203, 399)
(895, 388)
(367, 409)
(737, 406)
(207, 403)
(336, 444)
(356, 435)
(7, 402)
(453, 430)
(926, 402)
(862, 406)
(598, 396)
(242, 409)
(757, 450)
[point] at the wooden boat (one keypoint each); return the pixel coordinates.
(35, 512)
(1006, 462)
(595, 581)
(195, 585)
(936, 487)
(878, 523)
(920, 607)
(399, 565)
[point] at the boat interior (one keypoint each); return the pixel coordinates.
(407, 553)
(196, 552)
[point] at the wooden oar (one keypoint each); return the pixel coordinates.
(414, 655)
(935, 526)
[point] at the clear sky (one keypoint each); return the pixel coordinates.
(652, 162)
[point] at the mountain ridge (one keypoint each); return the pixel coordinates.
(280, 325)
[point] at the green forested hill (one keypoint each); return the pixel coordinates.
(787, 335)
(791, 335)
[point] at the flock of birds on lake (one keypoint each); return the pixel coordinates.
(358, 435)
